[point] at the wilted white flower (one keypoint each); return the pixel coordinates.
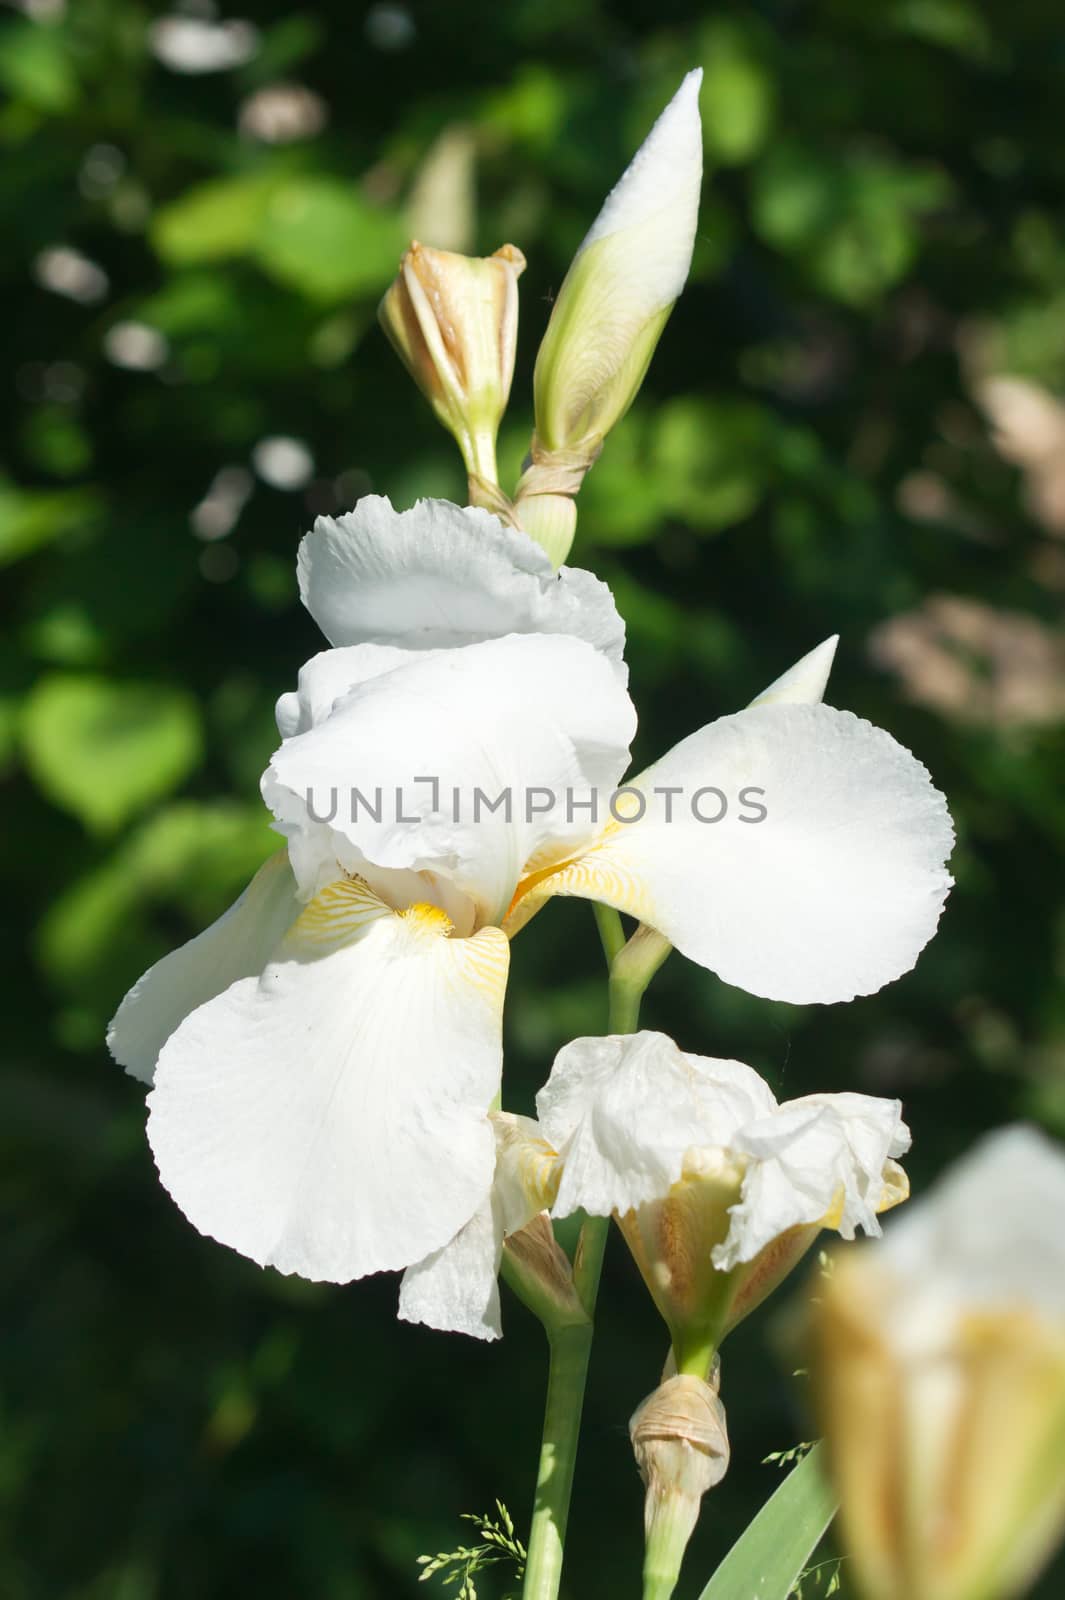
(718, 1189)
(680, 1440)
(939, 1369)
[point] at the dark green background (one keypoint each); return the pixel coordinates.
(883, 224)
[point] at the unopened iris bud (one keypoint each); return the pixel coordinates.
(680, 1440)
(453, 321)
(609, 314)
(938, 1360)
(540, 1273)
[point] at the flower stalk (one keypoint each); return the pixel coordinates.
(570, 1349)
(680, 1440)
(632, 965)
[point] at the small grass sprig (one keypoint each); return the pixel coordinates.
(498, 1543)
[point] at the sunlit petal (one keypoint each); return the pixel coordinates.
(238, 945)
(832, 893)
(624, 1111)
(329, 1118)
(540, 718)
(444, 575)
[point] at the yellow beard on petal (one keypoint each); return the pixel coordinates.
(428, 920)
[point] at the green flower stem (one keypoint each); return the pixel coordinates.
(631, 970)
(667, 1541)
(694, 1357)
(611, 931)
(632, 966)
(570, 1349)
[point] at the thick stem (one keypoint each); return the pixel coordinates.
(570, 1350)
(611, 932)
(630, 972)
(632, 966)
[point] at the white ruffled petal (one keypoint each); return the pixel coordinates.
(328, 677)
(623, 1111)
(832, 893)
(441, 575)
(329, 1118)
(456, 1289)
(815, 1160)
(238, 945)
(540, 718)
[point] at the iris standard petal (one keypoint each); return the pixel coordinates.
(444, 575)
(407, 770)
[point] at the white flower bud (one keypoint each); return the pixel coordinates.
(453, 321)
(609, 313)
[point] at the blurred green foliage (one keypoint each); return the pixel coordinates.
(883, 231)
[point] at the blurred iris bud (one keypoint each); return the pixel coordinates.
(609, 314)
(680, 1441)
(453, 321)
(938, 1359)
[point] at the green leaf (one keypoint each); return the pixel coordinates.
(36, 68)
(711, 459)
(30, 518)
(854, 221)
(772, 1551)
(213, 221)
(104, 750)
(316, 235)
(191, 856)
(738, 96)
(319, 236)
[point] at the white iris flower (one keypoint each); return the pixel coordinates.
(326, 1054)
